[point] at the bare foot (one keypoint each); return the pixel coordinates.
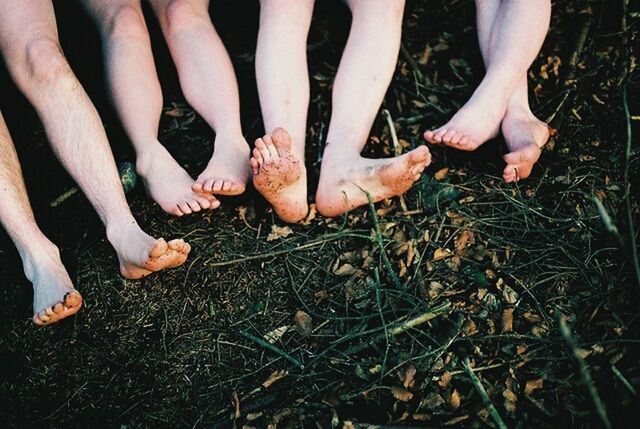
(525, 135)
(280, 176)
(169, 185)
(343, 181)
(140, 254)
(54, 296)
(475, 123)
(227, 172)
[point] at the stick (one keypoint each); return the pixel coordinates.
(483, 394)
(414, 65)
(623, 380)
(272, 348)
(378, 232)
(584, 371)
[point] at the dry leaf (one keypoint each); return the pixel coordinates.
(441, 174)
(277, 375)
(401, 394)
(409, 375)
(469, 328)
(454, 399)
(345, 270)
(304, 324)
(441, 253)
(507, 320)
(533, 385)
(279, 232)
(464, 239)
(445, 379)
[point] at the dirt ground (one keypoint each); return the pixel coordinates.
(398, 315)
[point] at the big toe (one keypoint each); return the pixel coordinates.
(72, 299)
(281, 138)
(420, 154)
(158, 249)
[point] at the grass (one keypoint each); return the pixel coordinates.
(414, 307)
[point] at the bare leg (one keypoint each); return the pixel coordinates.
(209, 85)
(54, 296)
(283, 85)
(514, 40)
(524, 133)
(364, 74)
(29, 42)
(137, 96)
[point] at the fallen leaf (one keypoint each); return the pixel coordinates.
(533, 385)
(304, 324)
(469, 328)
(409, 375)
(507, 320)
(279, 232)
(345, 270)
(454, 399)
(441, 253)
(464, 239)
(441, 174)
(401, 394)
(277, 375)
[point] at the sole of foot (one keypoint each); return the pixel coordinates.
(475, 123)
(149, 256)
(280, 176)
(170, 186)
(54, 297)
(227, 172)
(525, 136)
(344, 183)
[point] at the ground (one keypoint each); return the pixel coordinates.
(379, 317)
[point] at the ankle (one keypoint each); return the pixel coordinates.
(145, 159)
(43, 254)
(334, 154)
(119, 232)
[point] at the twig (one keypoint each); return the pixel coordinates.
(273, 348)
(414, 65)
(378, 233)
(584, 371)
(483, 394)
(419, 320)
(623, 380)
(608, 223)
(627, 190)
(309, 245)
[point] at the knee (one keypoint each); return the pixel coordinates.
(125, 21)
(183, 14)
(42, 62)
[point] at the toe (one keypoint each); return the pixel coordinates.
(217, 185)
(198, 185)
(195, 207)
(184, 207)
(72, 299)
(429, 136)
(419, 154)
(227, 185)
(204, 202)
(273, 151)
(447, 138)
(281, 140)
(58, 308)
(158, 249)
(264, 151)
(176, 211)
(254, 166)
(208, 186)
(457, 138)
(41, 318)
(257, 156)
(439, 134)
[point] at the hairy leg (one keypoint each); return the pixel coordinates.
(135, 90)
(364, 74)
(283, 86)
(209, 85)
(514, 41)
(29, 42)
(54, 296)
(524, 133)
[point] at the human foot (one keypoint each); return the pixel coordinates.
(54, 296)
(475, 123)
(280, 176)
(140, 254)
(343, 182)
(525, 135)
(227, 172)
(169, 185)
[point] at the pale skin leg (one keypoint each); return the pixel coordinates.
(29, 43)
(54, 296)
(358, 92)
(135, 90)
(510, 42)
(524, 133)
(209, 84)
(283, 86)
